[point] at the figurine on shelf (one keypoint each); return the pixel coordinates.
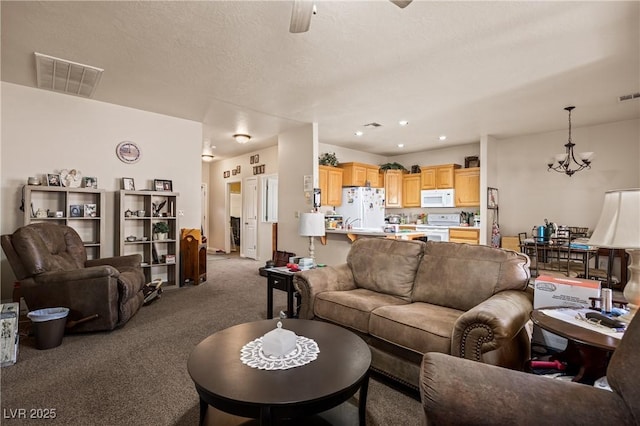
(158, 207)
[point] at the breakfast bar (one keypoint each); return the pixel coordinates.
(355, 233)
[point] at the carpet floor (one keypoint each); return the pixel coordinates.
(138, 374)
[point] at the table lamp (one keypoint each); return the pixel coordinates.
(311, 225)
(619, 227)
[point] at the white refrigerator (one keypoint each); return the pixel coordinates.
(362, 207)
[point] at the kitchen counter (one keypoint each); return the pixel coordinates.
(354, 233)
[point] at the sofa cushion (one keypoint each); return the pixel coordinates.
(418, 326)
(352, 308)
(461, 276)
(385, 265)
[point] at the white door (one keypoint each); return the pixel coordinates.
(249, 234)
(204, 197)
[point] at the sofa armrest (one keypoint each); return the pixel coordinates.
(464, 392)
(83, 274)
(490, 324)
(310, 283)
(118, 262)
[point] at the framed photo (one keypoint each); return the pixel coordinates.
(75, 210)
(162, 185)
(492, 198)
(238, 169)
(252, 159)
(128, 184)
(90, 210)
(226, 174)
(53, 179)
(90, 182)
(234, 172)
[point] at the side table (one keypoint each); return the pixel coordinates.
(282, 279)
(194, 260)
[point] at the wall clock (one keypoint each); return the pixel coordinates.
(128, 152)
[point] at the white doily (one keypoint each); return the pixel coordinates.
(306, 351)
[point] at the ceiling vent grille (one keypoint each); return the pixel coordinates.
(629, 97)
(65, 76)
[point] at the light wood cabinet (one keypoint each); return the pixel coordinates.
(469, 236)
(411, 190)
(358, 174)
(330, 181)
(467, 187)
(83, 209)
(393, 188)
(438, 177)
(160, 256)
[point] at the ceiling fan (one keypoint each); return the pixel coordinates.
(303, 9)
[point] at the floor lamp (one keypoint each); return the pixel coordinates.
(619, 227)
(311, 225)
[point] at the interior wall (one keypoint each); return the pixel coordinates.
(529, 193)
(44, 132)
(346, 155)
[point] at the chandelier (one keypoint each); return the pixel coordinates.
(564, 161)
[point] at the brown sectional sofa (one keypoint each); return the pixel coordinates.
(407, 298)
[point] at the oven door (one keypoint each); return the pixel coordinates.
(434, 233)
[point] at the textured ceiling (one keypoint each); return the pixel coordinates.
(463, 69)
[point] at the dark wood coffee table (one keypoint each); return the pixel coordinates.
(587, 352)
(224, 382)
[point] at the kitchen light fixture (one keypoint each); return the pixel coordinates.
(359, 133)
(442, 138)
(241, 137)
(564, 160)
(403, 122)
(311, 225)
(400, 145)
(619, 227)
(207, 151)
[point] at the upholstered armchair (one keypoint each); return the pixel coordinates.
(457, 391)
(50, 262)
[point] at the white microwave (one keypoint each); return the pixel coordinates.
(437, 198)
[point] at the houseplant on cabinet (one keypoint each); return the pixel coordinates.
(160, 230)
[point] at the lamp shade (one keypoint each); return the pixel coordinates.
(619, 223)
(311, 225)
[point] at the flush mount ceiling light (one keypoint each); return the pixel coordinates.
(207, 151)
(443, 138)
(403, 122)
(241, 138)
(359, 133)
(400, 145)
(65, 76)
(564, 160)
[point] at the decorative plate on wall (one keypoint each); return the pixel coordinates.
(128, 152)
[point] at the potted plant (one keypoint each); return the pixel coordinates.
(328, 159)
(392, 166)
(160, 230)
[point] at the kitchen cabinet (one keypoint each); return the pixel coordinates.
(135, 233)
(393, 188)
(469, 236)
(411, 184)
(330, 181)
(358, 174)
(83, 209)
(467, 187)
(438, 177)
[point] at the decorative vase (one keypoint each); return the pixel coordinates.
(160, 236)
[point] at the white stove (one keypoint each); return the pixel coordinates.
(437, 227)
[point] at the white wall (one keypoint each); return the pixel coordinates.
(529, 193)
(346, 155)
(44, 132)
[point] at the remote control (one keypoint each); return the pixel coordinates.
(605, 320)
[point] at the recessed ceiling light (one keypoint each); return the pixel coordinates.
(403, 122)
(400, 145)
(358, 133)
(442, 137)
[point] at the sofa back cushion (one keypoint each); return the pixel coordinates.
(384, 265)
(460, 276)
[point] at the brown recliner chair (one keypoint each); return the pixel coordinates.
(457, 391)
(50, 261)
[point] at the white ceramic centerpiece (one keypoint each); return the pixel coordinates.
(278, 342)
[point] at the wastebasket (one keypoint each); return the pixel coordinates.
(48, 326)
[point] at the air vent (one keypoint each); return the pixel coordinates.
(629, 97)
(374, 124)
(65, 76)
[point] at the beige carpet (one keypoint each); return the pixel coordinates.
(137, 375)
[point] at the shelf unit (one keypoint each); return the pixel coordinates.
(155, 253)
(70, 201)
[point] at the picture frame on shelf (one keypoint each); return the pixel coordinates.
(90, 210)
(76, 210)
(472, 161)
(163, 185)
(90, 182)
(128, 184)
(53, 179)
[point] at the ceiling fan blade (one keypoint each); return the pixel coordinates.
(301, 16)
(401, 3)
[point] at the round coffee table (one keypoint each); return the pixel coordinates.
(224, 382)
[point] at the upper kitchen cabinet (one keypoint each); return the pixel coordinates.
(393, 188)
(358, 174)
(467, 187)
(411, 190)
(438, 177)
(330, 180)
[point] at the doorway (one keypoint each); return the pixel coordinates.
(235, 216)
